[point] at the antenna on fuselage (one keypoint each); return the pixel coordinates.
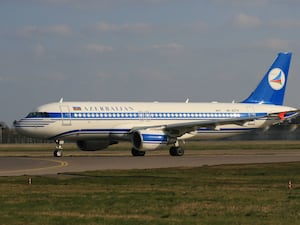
(187, 100)
(61, 100)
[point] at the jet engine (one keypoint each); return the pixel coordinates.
(149, 139)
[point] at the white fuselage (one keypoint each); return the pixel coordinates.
(114, 120)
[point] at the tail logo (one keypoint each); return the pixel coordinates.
(276, 79)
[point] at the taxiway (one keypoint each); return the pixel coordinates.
(46, 165)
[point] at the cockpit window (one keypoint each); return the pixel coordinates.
(38, 115)
(31, 115)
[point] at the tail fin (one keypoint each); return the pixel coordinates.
(271, 89)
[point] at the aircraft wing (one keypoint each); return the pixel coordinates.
(179, 129)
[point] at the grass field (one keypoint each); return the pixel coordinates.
(246, 194)
(231, 194)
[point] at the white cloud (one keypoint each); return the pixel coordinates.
(286, 24)
(101, 4)
(31, 31)
(60, 29)
(95, 48)
(39, 50)
(106, 27)
(169, 49)
(275, 44)
(168, 46)
(245, 21)
(127, 27)
(239, 3)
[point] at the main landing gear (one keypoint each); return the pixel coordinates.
(58, 148)
(176, 151)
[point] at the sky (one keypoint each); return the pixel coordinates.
(141, 50)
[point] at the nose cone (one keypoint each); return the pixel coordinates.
(16, 126)
(21, 128)
(28, 128)
(34, 127)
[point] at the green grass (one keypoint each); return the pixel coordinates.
(233, 194)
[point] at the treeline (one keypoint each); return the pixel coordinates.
(9, 136)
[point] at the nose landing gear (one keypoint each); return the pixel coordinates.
(58, 148)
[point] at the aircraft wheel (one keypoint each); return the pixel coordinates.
(136, 152)
(179, 151)
(57, 153)
(176, 151)
(173, 151)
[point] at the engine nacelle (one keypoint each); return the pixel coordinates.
(149, 139)
(94, 145)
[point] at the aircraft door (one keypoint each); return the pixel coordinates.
(144, 116)
(251, 113)
(65, 115)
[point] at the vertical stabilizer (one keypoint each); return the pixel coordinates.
(271, 89)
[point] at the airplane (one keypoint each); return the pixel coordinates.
(154, 125)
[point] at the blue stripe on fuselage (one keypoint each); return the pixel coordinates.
(91, 131)
(146, 137)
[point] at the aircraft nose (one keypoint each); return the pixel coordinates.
(17, 126)
(32, 128)
(15, 123)
(21, 128)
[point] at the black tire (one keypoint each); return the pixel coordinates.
(176, 151)
(173, 151)
(179, 151)
(136, 152)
